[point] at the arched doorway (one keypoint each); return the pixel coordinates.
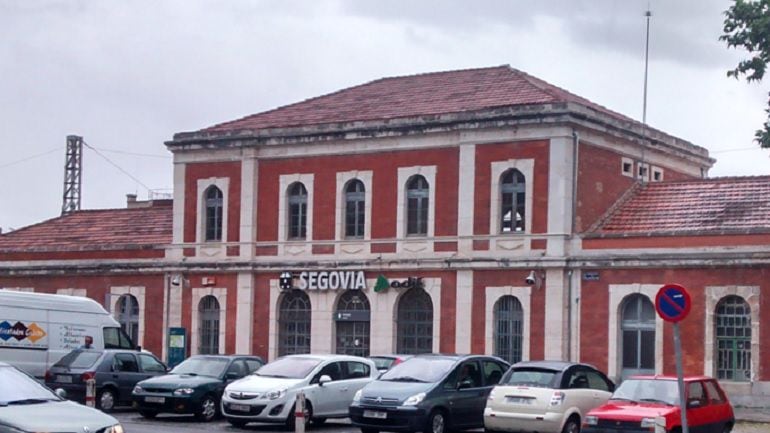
(294, 323)
(637, 324)
(352, 324)
(415, 323)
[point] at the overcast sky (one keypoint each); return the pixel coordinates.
(128, 75)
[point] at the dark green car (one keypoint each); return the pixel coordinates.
(193, 387)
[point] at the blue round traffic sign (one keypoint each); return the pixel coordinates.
(673, 302)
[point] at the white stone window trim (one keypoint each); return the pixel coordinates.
(342, 182)
(137, 292)
(627, 162)
(714, 294)
(404, 174)
(527, 168)
(618, 293)
(72, 292)
(524, 296)
(656, 172)
(198, 293)
(223, 183)
(284, 181)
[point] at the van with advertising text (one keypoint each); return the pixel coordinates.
(38, 329)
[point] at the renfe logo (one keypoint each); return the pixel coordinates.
(19, 331)
(332, 280)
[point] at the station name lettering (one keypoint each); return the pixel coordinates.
(332, 280)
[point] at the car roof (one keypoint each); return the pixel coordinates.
(669, 377)
(326, 357)
(454, 356)
(551, 365)
(227, 357)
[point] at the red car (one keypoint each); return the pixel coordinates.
(642, 401)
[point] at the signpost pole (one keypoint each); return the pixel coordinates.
(680, 378)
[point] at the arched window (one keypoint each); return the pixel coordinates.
(513, 193)
(352, 324)
(294, 323)
(297, 211)
(637, 324)
(208, 325)
(417, 197)
(509, 318)
(415, 322)
(213, 197)
(733, 332)
(355, 213)
(127, 310)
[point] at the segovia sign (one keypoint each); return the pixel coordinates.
(325, 280)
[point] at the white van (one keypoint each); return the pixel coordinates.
(37, 329)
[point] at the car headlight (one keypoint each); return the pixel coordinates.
(414, 400)
(184, 391)
(591, 420)
(117, 428)
(357, 396)
(276, 394)
(138, 389)
(648, 422)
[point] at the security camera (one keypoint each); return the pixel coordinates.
(176, 280)
(531, 278)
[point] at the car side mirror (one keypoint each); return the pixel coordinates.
(61, 393)
(324, 379)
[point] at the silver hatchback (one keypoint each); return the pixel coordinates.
(28, 406)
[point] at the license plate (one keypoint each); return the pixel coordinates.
(240, 407)
(518, 400)
(152, 399)
(375, 414)
(64, 379)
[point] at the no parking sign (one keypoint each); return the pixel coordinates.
(673, 303)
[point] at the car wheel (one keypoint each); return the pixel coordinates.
(236, 422)
(571, 426)
(321, 421)
(727, 428)
(207, 410)
(436, 423)
(106, 400)
(149, 414)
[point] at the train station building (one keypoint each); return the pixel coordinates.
(471, 211)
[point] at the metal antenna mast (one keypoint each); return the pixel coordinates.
(642, 175)
(73, 166)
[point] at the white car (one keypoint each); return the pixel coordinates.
(545, 397)
(329, 383)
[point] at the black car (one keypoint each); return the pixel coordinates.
(115, 372)
(194, 386)
(431, 393)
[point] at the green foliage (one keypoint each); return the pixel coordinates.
(747, 26)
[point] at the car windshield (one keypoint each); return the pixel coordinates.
(78, 359)
(528, 376)
(203, 366)
(291, 367)
(17, 388)
(648, 390)
(382, 362)
(419, 369)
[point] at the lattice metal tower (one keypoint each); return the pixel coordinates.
(72, 171)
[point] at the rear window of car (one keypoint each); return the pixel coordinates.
(537, 377)
(381, 362)
(79, 359)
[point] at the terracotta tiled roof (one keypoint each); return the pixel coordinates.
(95, 230)
(415, 95)
(703, 206)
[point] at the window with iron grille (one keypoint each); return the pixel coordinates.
(508, 322)
(352, 336)
(733, 334)
(294, 323)
(297, 211)
(213, 197)
(355, 212)
(637, 324)
(513, 194)
(127, 310)
(417, 197)
(208, 326)
(415, 322)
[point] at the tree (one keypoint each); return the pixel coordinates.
(748, 26)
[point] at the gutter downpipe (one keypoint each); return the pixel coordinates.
(575, 154)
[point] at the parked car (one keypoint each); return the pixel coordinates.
(384, 362)
(28, 406)
(432, 393)
(640, 400)
(115, 371)
(194, 386)
(545, 397)
(328, 382)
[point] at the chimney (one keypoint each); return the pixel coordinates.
(130, 200)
